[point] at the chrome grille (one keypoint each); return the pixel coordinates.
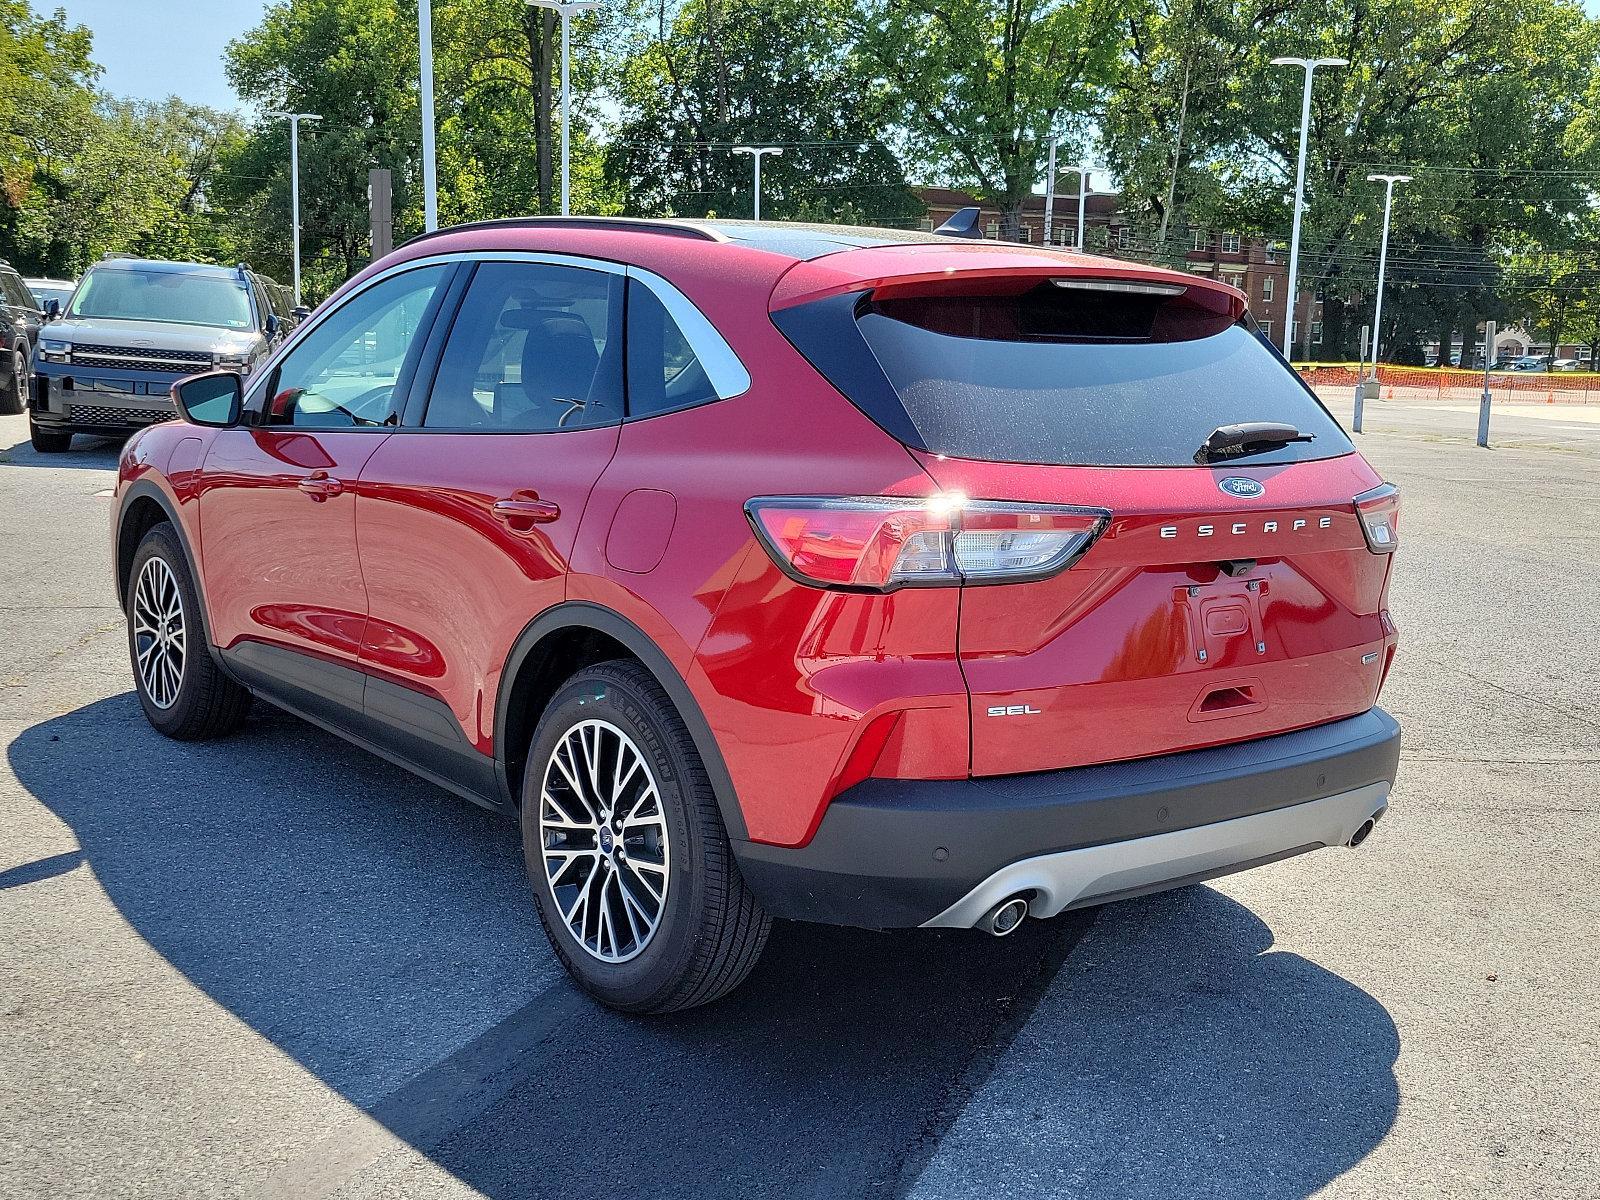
(96, 414)
(141, 358)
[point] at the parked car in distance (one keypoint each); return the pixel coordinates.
(780, 571)
(20, 321)
(132, 328)
(1532, 362)
(45, 290)
(1569, 364)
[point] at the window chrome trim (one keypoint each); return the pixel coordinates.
(726, 373)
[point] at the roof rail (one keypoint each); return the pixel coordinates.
(619, 224)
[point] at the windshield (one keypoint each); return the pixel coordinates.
(166, 296)
(1091, 379)
(43, 292)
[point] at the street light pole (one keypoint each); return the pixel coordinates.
(294, 120)
(755, 153)
(1050, 191)
(566, 10)
(430, 162)
(1084, 171)
(1310, 65)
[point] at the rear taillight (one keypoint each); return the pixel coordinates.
(1379, 511)
(880, 543)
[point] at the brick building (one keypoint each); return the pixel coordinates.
(1255, 266)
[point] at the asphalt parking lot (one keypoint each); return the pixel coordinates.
(276, 966)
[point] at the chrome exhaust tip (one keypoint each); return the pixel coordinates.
(1362, 833)
(1006, 917)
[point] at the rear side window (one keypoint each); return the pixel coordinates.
(664, 372)
(535, 347)
(1066, 374)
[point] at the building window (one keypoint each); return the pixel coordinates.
(1233, 279)
(1294, 331)
(1316, 332)
(1230, 243)
(1024, 233)
(1067, 235)
(1266, 289)
(1271, 253)
(992, 231)
(1125, 238)
(1266, 330)
(1198, 239)
(926, 226)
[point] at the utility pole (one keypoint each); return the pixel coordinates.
(1484, 400)
(294, 119)
(755, 153)
(1310, 65)
(380, 204)
(1050, 190)
(430, 163)
(566, 10)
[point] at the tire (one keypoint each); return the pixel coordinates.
(14, 396)
(183, 692)
(48, 441)
(709, 931)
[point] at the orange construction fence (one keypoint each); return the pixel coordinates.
(1421, 384)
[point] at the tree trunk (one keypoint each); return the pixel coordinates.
(1447, 332)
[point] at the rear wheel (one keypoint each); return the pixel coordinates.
(48, 441)
(14, 395)
(183, 692)
(631, 868)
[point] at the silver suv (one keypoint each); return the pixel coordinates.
(134, 327)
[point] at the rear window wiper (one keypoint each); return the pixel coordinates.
(1252, 437)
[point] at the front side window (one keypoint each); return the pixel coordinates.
(343, 374)
(664, 372)
(533, 349)
(168, 297)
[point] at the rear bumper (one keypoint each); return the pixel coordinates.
(897, 853)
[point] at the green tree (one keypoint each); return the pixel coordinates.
(979, 86)
(707, 75)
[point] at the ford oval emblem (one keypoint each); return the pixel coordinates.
(1238, 485)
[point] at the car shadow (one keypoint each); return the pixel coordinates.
(86, 453)
(379, 932)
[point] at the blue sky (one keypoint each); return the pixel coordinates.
(151, 49)
(154, 48)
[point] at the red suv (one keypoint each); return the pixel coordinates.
(782, 571)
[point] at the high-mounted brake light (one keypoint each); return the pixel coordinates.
(880, 543)
(1379, 511)
(1122, 285)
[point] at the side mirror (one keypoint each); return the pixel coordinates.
(273, 325)
(300, 312)
(52, 309)
(215, 398)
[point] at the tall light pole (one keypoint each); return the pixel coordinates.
(294, 119)
(1050, 190)
(1383, 259)
(1084, 171)
(755, 153)
(430, 162)
(1310, 65)
(566, 9)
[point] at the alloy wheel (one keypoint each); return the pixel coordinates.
(604, 838)
(159, 635)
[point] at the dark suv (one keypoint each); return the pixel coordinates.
(132, 328)
(780, 571)
(20, 321)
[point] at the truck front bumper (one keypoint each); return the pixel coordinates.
(898, 853)
(93, 400)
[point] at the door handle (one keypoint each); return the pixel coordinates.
(523, 510)
(319, 485)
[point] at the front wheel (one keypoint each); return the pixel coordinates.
(631, 868)
(14, 395)
(183, 692)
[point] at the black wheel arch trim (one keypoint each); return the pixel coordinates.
(144, 489)
(583, 614)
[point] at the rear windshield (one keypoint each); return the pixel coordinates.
(1070, 374)
(171, 297)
